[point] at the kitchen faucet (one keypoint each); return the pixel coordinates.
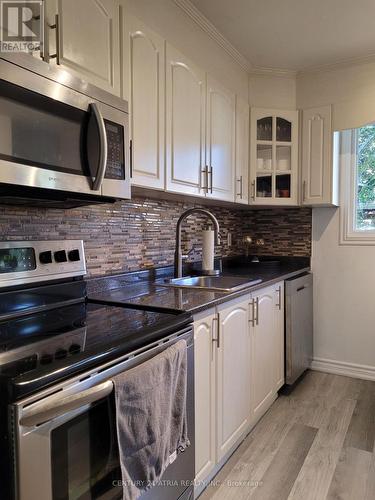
(178, 255)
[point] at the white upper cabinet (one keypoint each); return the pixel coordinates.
(242, 151)
(88, 40)
(273, 157)
(233, 373)
(220, 141)
(319, 176)
(144, 88)
(185, 124)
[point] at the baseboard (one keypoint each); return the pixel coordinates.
(342, 368)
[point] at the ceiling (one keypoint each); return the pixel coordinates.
(295, 34)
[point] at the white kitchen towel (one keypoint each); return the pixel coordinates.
(151, 418)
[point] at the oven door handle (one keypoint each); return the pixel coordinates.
(57, 406)
(97, 181)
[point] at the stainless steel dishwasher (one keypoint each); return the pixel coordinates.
(298, 326)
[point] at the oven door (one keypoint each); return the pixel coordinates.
(57, 138)
(66, 442)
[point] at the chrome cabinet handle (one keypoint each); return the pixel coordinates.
(304, 191)
(205, 181)
(56, 27)
(217, 338)
(97, 182)
(131, 157)
(253, 190)
(211, 179)
(257, 310)
(218, 330)
(240, 180)
(62, 405)
(278, 291)
(213, 337)
(252, 319)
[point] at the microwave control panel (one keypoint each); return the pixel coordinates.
(116, 147)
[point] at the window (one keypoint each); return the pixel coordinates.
(357, 163)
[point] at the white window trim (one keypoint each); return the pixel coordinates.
(348, 192)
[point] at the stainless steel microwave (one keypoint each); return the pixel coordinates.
(59, 134)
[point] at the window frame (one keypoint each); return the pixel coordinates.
(349, 235)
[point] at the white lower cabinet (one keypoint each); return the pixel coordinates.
(267, 352)
(239, 367)
(279, 329)
(232, 373)
(204, 332)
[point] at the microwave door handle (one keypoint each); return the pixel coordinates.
(63, 405)
(98, 180)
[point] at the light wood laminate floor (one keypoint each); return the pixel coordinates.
(317, 443)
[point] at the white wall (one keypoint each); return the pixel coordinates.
(350, 88)
(344, 307)
(344, 292)
(270, 91)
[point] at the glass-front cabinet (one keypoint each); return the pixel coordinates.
(273, 157)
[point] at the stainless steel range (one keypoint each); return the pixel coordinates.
(58, 354)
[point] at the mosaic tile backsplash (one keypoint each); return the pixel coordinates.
(137, 234)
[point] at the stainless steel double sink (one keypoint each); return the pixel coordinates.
(213, 283)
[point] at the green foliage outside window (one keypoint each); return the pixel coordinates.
(365, 210)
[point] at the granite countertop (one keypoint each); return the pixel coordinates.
(149, 293)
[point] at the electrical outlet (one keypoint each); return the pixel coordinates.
(229, 239)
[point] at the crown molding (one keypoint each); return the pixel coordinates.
(207, 26)
(346, 63)
(279, 72)
(214, 33)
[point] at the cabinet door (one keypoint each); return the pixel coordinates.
(220, 141)
(143, 88)
(279, 335)
(204, 396)
(317, 166)
(273, 157)
(233, 373)
(263, 349)
(185, 124)
(242, 151)
(89, 40)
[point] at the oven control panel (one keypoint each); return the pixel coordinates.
(32, 261)
(115, 156)
(44, 352)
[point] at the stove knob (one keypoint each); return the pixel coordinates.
(73, 255)
(46, 359)
(61, 354)
(75, 349)
(45, 257)
(60, 256)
